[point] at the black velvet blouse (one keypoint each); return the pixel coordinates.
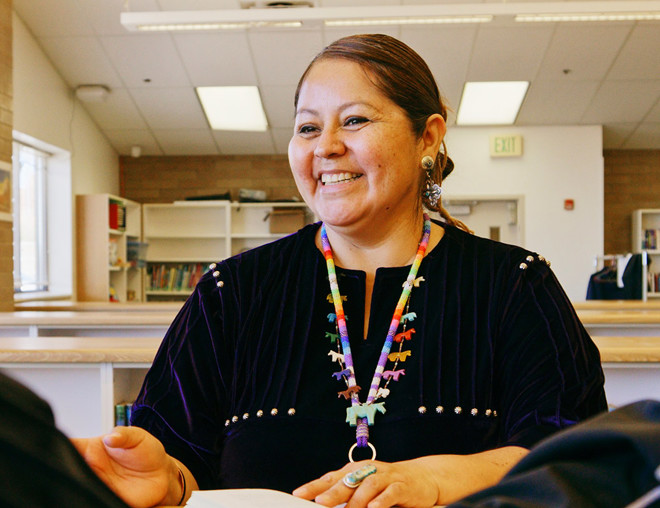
(242, 391)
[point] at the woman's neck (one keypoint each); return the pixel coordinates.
(376, 246)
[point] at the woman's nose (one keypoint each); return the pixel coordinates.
(329, 144)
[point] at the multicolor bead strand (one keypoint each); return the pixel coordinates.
(362, 432)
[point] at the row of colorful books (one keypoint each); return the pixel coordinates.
(169, 277)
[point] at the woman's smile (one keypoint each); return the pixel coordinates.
(335, 178)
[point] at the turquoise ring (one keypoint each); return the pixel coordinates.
(352, 480)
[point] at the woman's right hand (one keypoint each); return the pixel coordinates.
(134, 464)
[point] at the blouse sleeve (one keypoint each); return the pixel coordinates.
(550, 375)
(182, 399)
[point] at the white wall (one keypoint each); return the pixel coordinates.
(47, 116)
(45, 109)
(558, 163)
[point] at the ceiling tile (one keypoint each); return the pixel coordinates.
(117, 112)
(170, 108)
(195, 5)
(331, 34)
(446, 50)
(586, 51)
(146, 56)
(510, 53)
(244, 143)
(640, 56)
(278, 103)
(281, 136)
(282, 56)
(40, 16)
(186, 141)
(615, 134)
(560, 102)
(123, 139)
(219, 59)
(90, 66)
(622, 101)
(104, 15)
(654, 114)
(646, 136)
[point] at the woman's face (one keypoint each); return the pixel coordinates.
(354, 156)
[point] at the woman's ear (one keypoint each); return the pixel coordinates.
(433, 135)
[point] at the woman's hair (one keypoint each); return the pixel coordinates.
(403, 77)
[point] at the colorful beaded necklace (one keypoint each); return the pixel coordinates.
(359, 414)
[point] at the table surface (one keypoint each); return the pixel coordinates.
(143, 349)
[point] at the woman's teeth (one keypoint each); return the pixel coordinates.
(329, 179)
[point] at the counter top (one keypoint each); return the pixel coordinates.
(110, 318)
(143, 350)
(77, 349)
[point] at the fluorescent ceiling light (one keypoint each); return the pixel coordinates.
(233, 108)
(491, 102)
(585, 16)
(455, 12)
(410, 21)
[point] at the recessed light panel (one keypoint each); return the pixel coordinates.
(233, 108)
(491, 102)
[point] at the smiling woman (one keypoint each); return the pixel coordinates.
(376, 334)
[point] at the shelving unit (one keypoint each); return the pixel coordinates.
(193, 234)
(646, 238)
(102, 269)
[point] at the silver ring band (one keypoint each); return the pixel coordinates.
(350, 452)
(354, 479)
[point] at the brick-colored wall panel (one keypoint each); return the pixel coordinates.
(632, 181)
(6, 109)
(167, 179)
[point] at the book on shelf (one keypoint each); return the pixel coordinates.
(117, 215)
(650, 240)
(174, 277)
(123, 413)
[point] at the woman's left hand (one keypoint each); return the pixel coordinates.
(407, 484)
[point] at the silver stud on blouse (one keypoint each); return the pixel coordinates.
(246, 416)
(260, 413)
(488, 412)
(523, 266)
(458, 410)
(234, 419)
(273, 411)
(439, 409)
(216, 274)
(474, 411)
(212, 266)
(529, 259)
(291, 412)
(494, 413)
(220, 284)
(421, 410)
(226, 423)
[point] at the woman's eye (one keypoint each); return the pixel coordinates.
(306, 129)
(355, 120)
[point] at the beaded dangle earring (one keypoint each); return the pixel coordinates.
(433, 191)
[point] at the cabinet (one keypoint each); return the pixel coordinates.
(646, 238)
(105, 226)
(184, 237)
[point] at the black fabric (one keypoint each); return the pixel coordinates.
(39, 467)
(607, 461)
(498, 357)
(603, 284)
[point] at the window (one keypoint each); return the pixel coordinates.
(30, 219)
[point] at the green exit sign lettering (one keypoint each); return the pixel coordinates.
(506, 145)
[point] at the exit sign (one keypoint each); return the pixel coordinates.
(507, 145)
